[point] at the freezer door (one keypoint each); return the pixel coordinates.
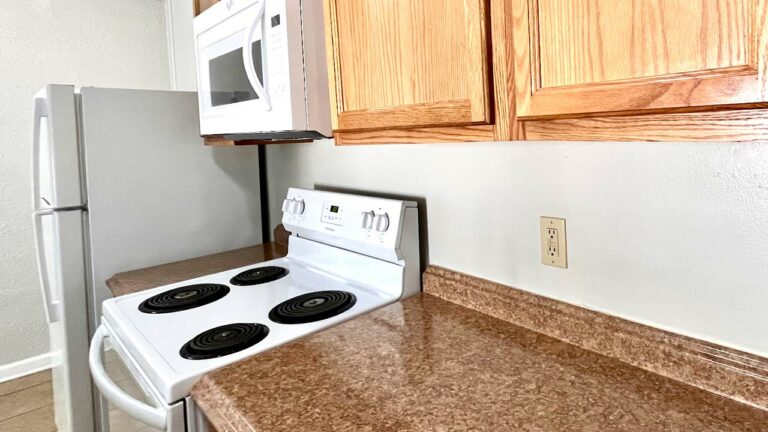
(59, 237)
(55, 155)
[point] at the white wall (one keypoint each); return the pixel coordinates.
(673, 235)
(84, 42)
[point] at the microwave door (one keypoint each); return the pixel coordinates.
(226, 86)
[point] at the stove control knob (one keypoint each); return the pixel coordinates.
(368, 220)
(381, 222)
(297, 207)
(287, 205)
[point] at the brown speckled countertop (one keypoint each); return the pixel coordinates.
(139, 280)
(425, 364)
(151, 277)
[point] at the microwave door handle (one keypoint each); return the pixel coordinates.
(250, 70)
(52, 310)
(41, 110)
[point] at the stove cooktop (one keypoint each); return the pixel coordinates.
(183, 298)
(178, 332)
(259, 275)
(311, 307)
(223, 340)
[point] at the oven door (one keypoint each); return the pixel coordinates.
(250, 68)
(134, 406)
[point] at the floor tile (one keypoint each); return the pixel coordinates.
(23, 401)
(39, 420)
(24, 382)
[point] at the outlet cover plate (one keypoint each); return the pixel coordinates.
(554, 251)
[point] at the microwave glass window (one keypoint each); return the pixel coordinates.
(229, 83)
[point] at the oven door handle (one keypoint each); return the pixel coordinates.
(250, 70)
(155, 417)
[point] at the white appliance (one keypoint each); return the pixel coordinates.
(261, 69)
(347, 255)
(122, 181)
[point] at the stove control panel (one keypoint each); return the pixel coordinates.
(367, 222)
(375, 220)
(333, 213)
(358, 223)
(381, 221)
(293, 206)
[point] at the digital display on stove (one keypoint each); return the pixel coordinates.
(334, 209)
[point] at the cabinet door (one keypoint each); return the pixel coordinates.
(408, 63)
(584, 57)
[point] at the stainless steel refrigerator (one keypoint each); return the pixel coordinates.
(122, 181)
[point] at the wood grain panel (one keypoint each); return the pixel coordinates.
(400, 53)
(585, 83)
(759, 44)
(456, 112)
(506, 126)
(693, 91)
(202, 5)
(590, 41)
(417, 135)
(735, 125)
(335, 94)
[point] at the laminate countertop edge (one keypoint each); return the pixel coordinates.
(731, 373)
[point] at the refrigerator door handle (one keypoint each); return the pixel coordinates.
(52, 308)
(41, 111)
(155, 417)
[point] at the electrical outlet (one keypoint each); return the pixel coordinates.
(553, 245)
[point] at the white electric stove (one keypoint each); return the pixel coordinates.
(347, 255)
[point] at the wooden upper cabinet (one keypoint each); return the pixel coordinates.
(202, 5)
(409, 63)
(591, 57)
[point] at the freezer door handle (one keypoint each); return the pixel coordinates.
(155, 417)
(41, 111)
(52, 308)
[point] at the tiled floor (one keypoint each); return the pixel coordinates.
(26, 404)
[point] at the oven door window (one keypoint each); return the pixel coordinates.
(227, 79)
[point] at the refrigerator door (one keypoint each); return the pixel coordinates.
(59, 238)
(56, 176)
(156, 193)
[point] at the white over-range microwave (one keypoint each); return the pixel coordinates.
(261, 70)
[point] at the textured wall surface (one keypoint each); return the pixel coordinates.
(672, 235)
(83, 42)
